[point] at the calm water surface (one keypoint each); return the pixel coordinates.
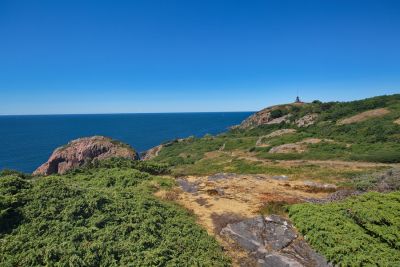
(27, 141)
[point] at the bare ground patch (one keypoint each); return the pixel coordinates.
(241, 195)
(374, 113)
(298, 147)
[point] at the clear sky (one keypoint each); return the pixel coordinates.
(172, 56)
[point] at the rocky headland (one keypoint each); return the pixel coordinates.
(84, 150)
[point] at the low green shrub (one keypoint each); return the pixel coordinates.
(274, 207)
(151, 167)
(98, 216)
(360, 231)
(6, 172)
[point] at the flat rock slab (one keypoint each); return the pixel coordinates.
(278, 232)
(272, 241)
(187, 186)
(249, 234)
(220, 176)
(278, 260)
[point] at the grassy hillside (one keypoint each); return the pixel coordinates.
(369, 139)
(104, 215)
(360, 231)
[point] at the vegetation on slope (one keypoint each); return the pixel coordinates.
(103, 215)
(375, 139)
(360, 231)
(371, 140)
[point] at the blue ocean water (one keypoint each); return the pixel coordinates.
(27, 141)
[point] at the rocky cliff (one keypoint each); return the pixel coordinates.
(276, 115)
(84, 150)
(151, 153)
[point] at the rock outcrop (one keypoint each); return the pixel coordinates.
(154, 151)
(276, 115)
(298, 147)
(84, 150)
(273, 242)
(261, 140)
(280, 133)
(306, 120)
(151, 153)
(268, 115)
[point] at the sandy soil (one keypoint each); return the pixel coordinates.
(221, 200)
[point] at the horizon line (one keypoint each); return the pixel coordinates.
(125, 113)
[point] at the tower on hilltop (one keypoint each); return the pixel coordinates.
(297, 97)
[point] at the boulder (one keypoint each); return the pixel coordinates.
(84, 150)
(272, 241)
(306, 120)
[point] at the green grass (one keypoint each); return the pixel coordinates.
(360, 231)
(225, 163)
(373, 140)
(274, 207)
(98, 216)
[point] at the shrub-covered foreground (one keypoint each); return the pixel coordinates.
(101, 216)
(360, 231)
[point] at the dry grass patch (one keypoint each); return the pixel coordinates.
(374, 113)
(298, 147)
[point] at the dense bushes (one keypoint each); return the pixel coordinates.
(101, 216)
(277, 113)
(7, 172)
(151, 167)
(12, 197)
(360, 231)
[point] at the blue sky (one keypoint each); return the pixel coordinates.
(176, 56)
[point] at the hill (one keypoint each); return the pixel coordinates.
(364, 130)
(292, 154)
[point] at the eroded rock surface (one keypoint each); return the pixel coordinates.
(261, 142)
(84, 150)
(151, 153)
(307, 120)
(266, 116)
(273, 242)
(298, 147)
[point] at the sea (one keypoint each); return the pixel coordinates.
(27, 141)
